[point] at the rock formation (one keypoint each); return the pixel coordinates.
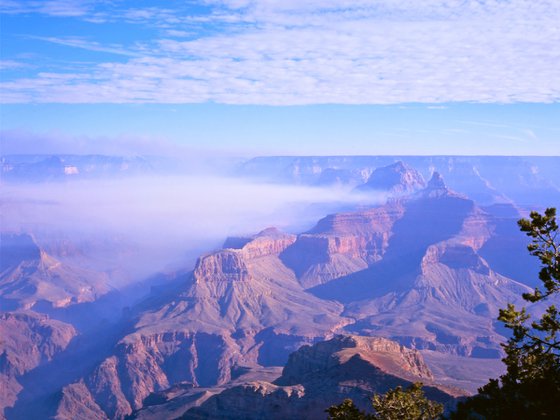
(29, 275)
(341, 244)
(397, 179)
(241, 308)
(409, 270)
(442, 294)
(26, 341)
(324, 374)
(488, 180)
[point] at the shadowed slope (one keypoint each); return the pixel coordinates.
(431, 289)
(27, 340)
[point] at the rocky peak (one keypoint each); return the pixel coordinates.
(456, 256)
(381, 353)
(229, 264)
(437, 188)
(398, 178)
(268, 242)
(436, 182)
(236, 242)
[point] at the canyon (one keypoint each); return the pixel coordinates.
(276, 324)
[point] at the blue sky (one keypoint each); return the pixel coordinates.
(249, 77)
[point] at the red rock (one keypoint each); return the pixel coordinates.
(27, 340)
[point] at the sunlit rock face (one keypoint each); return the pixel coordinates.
(324, 374)
(386, 355)
(341, 244)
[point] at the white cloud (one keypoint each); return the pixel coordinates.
(60, 8)
(11, 64)
(177, 34)
(326, 51)
(89, 45)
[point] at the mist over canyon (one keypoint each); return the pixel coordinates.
(137, 287)
(271, 210)
(163, 216)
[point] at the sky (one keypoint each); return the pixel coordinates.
(262, 77)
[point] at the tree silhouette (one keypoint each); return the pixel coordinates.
(396, 404)
(530, 388)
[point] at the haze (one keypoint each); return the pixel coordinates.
(168, 219)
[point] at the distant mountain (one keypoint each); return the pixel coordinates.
(309, 170)
(30, 168)
(38, 168)
(398, 179)
(340, 177)
(28, 275)
(528, 181)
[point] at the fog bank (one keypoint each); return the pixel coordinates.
(145, 224)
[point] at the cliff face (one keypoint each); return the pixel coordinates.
(226, 266)
(77, 403)
(384, 354)
(342, 244)
(326, 373)
(268, 242)
(241, 308)
(27, 340)
(29, 275)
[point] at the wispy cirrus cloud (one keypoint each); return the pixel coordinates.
(90, 45)
(11, 64)
(324, 51)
